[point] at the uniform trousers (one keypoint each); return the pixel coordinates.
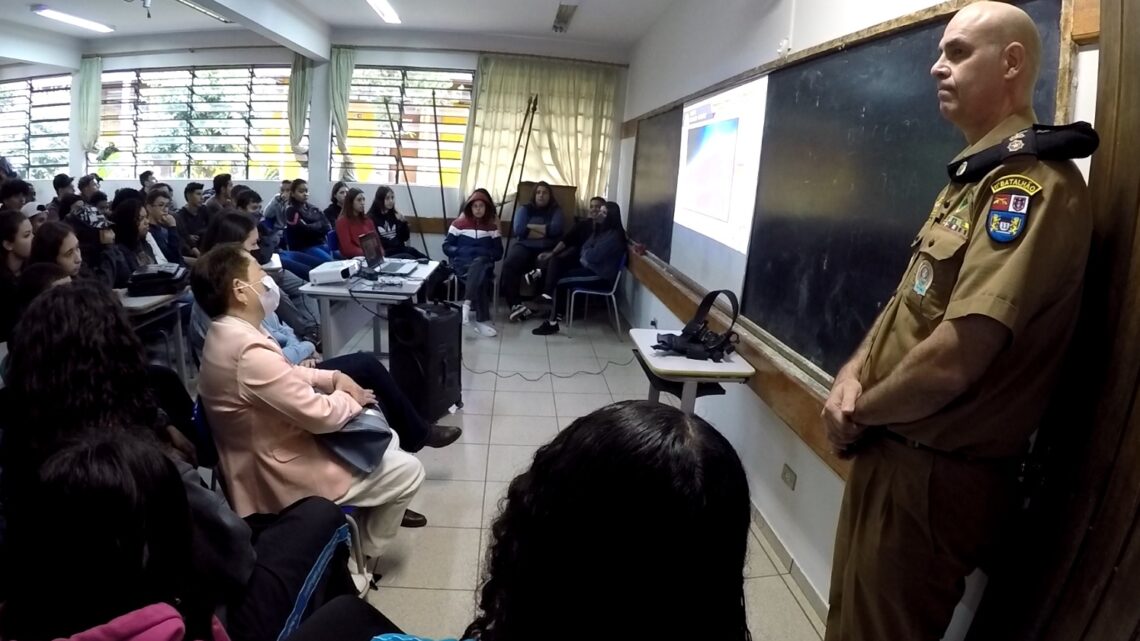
(913, 525)
(383, 496)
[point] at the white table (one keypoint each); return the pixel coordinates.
(147, 310)
(680, 369)
(353, 295)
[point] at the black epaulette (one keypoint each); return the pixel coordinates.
(1046, 142)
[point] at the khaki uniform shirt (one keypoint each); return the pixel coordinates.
(1013, 247)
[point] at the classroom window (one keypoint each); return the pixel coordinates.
(386, 103)
(34, 121)
(195, 123)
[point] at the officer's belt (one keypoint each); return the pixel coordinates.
(1014, 463)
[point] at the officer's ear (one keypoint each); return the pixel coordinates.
(1015, 60)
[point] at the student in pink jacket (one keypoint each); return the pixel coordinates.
(266, 412)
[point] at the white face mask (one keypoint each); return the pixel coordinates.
(271, 297)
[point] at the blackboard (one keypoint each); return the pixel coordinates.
(854, 154)
(653, 193)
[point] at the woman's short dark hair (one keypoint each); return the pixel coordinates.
(347, 209)
(335, 188)
(35, 280)
(112, 498)
(227, 227)
(214, 274)
(125, 221)
(47, 241)
(220, 182)
(246, 197)
(633, 520)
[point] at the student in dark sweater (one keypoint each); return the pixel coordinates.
(332, 212)
(15, 249)
(193, 218)
(594, 266)
(474, 245)
(537, 228)
(306, 226)
(392, 226)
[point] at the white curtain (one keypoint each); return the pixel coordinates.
(571, 140)
(300, 90)
(340, 85)
(89, 83)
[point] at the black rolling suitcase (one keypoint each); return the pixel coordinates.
(426, 356)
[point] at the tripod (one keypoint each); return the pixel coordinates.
(400, 167)
(527, 127)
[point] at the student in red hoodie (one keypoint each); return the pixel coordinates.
(352, 223)
(474, 244)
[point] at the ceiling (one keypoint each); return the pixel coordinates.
(620, 22)
(128, 18)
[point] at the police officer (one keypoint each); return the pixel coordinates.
(937, 404)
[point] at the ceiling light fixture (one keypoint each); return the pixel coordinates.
(75, 21)
(200, 9)
(384, 8)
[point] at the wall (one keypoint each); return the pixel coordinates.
(734, 36)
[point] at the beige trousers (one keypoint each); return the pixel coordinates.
(382, 497)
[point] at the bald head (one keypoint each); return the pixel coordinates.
(991, 54)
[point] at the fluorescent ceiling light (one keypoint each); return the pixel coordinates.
(200, 9)
(384, 8)
(75, 21)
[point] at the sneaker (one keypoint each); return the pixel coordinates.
(486, 329)
(466, 312)
(520, 312)
(546, 328)
(546, 296)
(532, 276)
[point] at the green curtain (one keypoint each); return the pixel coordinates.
(300, 90)
(89, 82)
(340, 84)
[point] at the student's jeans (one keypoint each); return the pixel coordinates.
(566, 272)
(479, 284)
(300, 263)
(371, 374)
(519, 260)
(316, 251)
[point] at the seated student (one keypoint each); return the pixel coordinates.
(15, 194)
(392, 226)
(37, 279)
(63, 185)
(15, 249)
(193, 217)
(120, 505)
(236, 227)
(164, 227)
(572, 242)
(88, 185)
(660, 481)
(266, 412)
(474, 245)
(147, 180)
(352, 224)
(594, 266)
(537, 228)
(332, 212)
(269, 240)
(221, 198)
(307, 227)
(57, 243)
(275, 211)
(132, 233)
(103, 258)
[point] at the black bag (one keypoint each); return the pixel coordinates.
(696, 340)
(361, 443)
(158, 280)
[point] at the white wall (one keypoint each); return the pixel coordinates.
(694, 45)
(1084, 96)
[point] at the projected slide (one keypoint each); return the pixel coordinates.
(720, 160)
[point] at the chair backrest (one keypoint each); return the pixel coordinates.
(621, 270)
(204, 443)
(332, 241)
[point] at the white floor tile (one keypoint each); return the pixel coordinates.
(481, 361)
(450, 503)
(432, 558)
(813, 617)
(505, 462)
(627, 383)
(478, 382)
(565, 421)
(523, 430)
(524, 404)
(773, 613)
(476, 427)
(575, 365)
(493, 495)
(581, 384)
(580, 404)
(758, 564)
(523, 382)
(525, 344)
(432, 614)
(524, 363)
(477, 402)
(456, 462)
(578, 349)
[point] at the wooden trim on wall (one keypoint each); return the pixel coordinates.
(794, 396)
(1086, 22)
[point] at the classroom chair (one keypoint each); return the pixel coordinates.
(610, 296)
(334, 244)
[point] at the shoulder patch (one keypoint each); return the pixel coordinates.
(1008, 216)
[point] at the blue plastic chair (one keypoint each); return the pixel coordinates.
(610, 296)
(334, 244)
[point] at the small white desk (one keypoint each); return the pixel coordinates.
(688, 372)
(147, 310)
(337, 329)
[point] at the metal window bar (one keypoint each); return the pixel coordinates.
(34, 130)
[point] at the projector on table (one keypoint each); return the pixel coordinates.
(334, 272)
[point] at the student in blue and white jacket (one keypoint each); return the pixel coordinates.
(474, 245)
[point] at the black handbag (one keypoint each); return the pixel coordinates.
(158, 280)
(362, 441)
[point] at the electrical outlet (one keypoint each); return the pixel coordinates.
(789, 477)
(653, 323)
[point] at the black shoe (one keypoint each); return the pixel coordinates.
(520, 312)
(413, 519)
(442, 436)
(545, 329)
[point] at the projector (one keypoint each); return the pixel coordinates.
(335, 272)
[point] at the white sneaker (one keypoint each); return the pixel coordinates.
(486, 329)
(466, 312)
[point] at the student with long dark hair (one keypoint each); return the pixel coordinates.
(57, 243)
(661, 481)
(594, 266)
(474, 245)
(336, 204)
(537, 228)
(307, 227)
(352, 224)
(131, 227)
(15, 249)
(392, 226)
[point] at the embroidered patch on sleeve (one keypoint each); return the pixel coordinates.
(1008, 216)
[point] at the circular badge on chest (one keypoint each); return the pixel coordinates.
(923, 277)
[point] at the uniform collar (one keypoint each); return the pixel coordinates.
(1006, 128)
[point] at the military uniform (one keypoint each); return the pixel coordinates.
(925, 498)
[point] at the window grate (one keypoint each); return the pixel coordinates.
(197, 122)
(371, 145)
(34, 125)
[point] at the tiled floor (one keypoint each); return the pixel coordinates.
(431, 575)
